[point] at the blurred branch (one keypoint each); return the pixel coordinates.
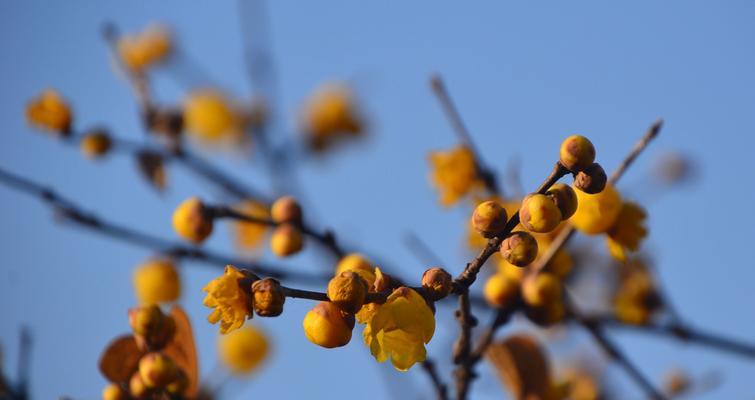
(441, 391)
(420, 249)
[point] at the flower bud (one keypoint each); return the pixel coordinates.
(348, 291)
(152, 329)
(577, 153)
(286, 240)
(157, 370)
(437, 283)
(541, 289)
(157, 281)
(286, 210)
(501, 290)
(95, 144)
(243, 350)
(519, 248)
(565, 198)
(137, 387)
(325, 325)
(489, 218)
(591, 180)
(539, 213)
(192, 221)
(359, 264)
(268, 297)
(49, 111)
(114, 392)
(382, 283)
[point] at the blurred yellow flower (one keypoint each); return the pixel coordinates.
(143, 50)
(636, 298)
(243, 350)
(249, 236)
(596, 213)
(400, 329)
(210, 117)
(454, 173)
(157, 281)
(330, 114)
(627, 232)
(232, 304)
(358, 263)
(51, 112)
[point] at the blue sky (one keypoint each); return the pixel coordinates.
(524, 75)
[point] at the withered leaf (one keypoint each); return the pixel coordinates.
(522, 367)
(152, 167)
(120, 359)
(183, 351)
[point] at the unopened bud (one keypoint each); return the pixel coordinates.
(348, 291)
(327, 326)
(576, 153)
(157, 370)
(286, 209)
(268, 297)
(519, 248)
(565, 198)
(192, 220)
(286, 240)
(489, 218)
(437, 283)
(591, 180)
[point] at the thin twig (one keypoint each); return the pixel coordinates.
(441, 389)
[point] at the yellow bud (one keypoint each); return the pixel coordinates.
(596, 213)
(359, 264)
(157, 370)
(192, 221)
(152, 329)
(157, 281)
(591, 180)
(49, 111)
(286, 240)
(114, 392)
(348, 291)
(489, 218)
(268, 297)
(137, 387)
(541, 289)
(565, 199)
(577, 153)
(382, 283)
(501, 290)
(286, 209)
(209, 116)
(243, 350)
(95, 143)
(519, 248)
(437, 283)
(325, 325)
(539, 213)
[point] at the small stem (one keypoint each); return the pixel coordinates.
(440, 388)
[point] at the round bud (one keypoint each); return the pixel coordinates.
(541, 289)
(489, 218)
(146, 320)
(286, 210)
(577, 153)
(348, 291)
(359, 264)
(501, 290)
(591, 180)
(539, 213)
(519, 248)
(95, 144)
(137, 387)
(114, 392)
(268, 297)
(157, 370)
(325, 325)
(157, 281)
(192, 221)
(565, 198)
(286, 240)
(437, 283)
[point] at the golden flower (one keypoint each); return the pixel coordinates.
(596, 213)
(327, 326)
(400, 329)
(157, 281)
(209, 116)
(331, 114)
(454, 173)
(249, 235)
(232, 304)
(381, 283)
(627, 232)
(636, 297)
(243, 350)
(141, 51)
(50, 111)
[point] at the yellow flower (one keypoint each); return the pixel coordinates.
(248, 235)
(141, 51)
(596, 213)
(368, 310)
(331, 114)
(157, 281)
(243, 350)
(636, 297)
(232, 304)
(627, 232)
(210, 117)
(49, 111)
(400, 329)
(454, 173)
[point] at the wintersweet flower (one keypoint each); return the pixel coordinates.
(156, 281)
(146, 49)
(454, 173)
(628, 231)
(51, 112)
(368, 310)
(243, 350)
(400, 329)
(331, 114)
(232, 304)
(210, 117)
(596, 213)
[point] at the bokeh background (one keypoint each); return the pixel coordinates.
(524, 75)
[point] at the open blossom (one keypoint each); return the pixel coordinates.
(454, 173)
(331, 114)
(596, 213)
(628, 231)
(51, 112)
(143, 50)
(211, 117)
(400, 328)
(232, 304)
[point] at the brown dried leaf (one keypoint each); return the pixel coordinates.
(152, 168)
(183, 351)
(522, 367)
(120, 359)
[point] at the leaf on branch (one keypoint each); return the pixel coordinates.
(522, 367)
(183, 351)
(120, 359)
